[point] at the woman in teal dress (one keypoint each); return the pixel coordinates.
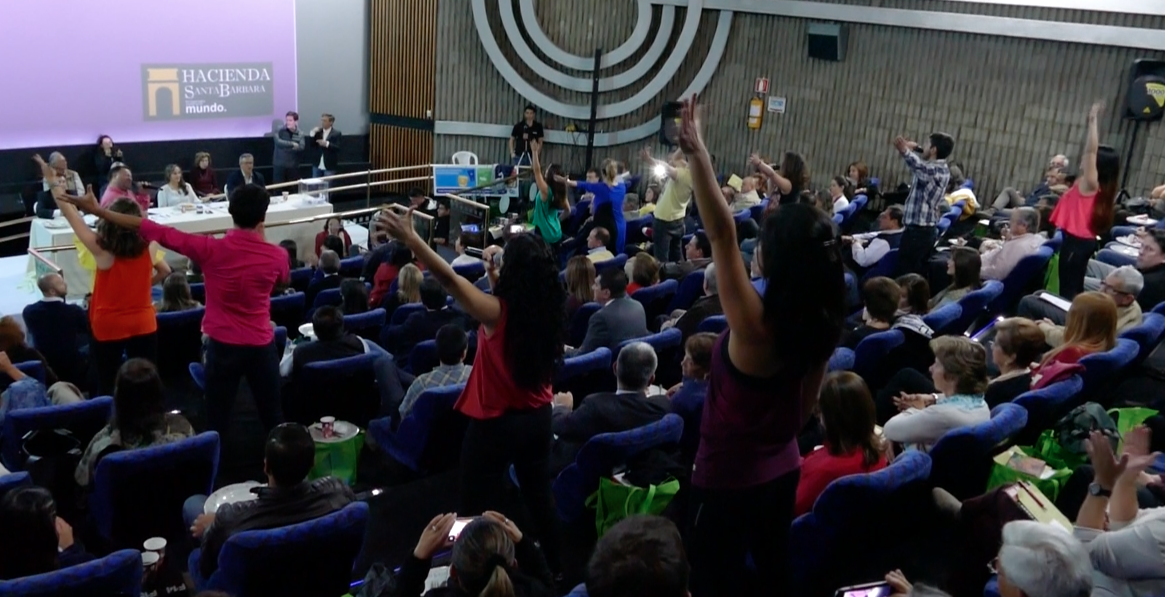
(550, 200)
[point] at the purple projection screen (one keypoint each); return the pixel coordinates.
(138, 70)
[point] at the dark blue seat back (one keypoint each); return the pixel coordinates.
(14, 481)
(366, 325)
(585, 374)
(1146, 335)
(656, 298)
(691, 288)
(83, 419)
(300, 278)
(352, 267)
(342, 388)
(944, 320)
(974, 304)
(180, 336)
(324, 298)
(872, 350)
(1102, 367)
(1046, 406)
(884, 267)
(119, 573)
(669, 350)
(963, 457)
(579, 322)
(714, 324)
(287, 310)
(402, 313)
(198, 292)
(1028, 273)
(430, 436)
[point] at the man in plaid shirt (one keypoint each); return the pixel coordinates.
(921, 214)
(452, 346)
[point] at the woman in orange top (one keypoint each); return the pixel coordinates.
(1091, 328)
(121, 310)
(1085, 211)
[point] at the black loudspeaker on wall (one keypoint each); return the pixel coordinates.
(827, 41)
(1145, 99)
(669, 124)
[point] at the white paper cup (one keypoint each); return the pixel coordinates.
(328, 426)
(155, 544)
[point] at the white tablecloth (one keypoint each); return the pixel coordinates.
(48, 233)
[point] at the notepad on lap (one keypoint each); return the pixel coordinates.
(1041, 509)
(1052, 299)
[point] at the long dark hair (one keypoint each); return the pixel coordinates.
(176, 294)
(528, 284)
(916, 291)
(1108, 168)
(29, 518)
(353, 297)
(794, 168)
(967, 266)
(121, 242)
(805, 294)
(138, 400)
(558, 189)
(848, 416)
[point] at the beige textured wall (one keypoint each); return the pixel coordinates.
(1010, 103)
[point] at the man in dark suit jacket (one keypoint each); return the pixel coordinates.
(330, 266)
(424, 325)
(245, 175)
(608, 412)
(621, 318)
(331, 342)
(58, 328)
(688, 322)
(325, 142)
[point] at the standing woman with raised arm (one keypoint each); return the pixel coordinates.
(121, 310)
(508, 395)
(607, 206)
(766, 374)
(790, 181)
(1086, 210)
(550, 198)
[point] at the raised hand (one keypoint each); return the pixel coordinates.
(397, 225)
(86, 203)
(435, 536)
(507, 524)
(1097, 108)
(689, 137)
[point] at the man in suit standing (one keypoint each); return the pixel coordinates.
(289, 146)
(326, 141)
(608, 412)
(245, 175)
(330, 265)
(57, 328)
(621, 318)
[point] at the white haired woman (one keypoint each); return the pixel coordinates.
(1041, 559)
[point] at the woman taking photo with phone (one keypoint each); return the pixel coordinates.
(766, 373)
(508, 395)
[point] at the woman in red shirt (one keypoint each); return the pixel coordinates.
(333, 227)
(508, 395)
(1085, 211)
(1091, 327)
(851, 448)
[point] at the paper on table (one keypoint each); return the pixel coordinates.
(1052, 299)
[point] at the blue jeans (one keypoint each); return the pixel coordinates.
(667, 240)
(192, 508)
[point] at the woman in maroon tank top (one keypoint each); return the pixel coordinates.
(767, 370)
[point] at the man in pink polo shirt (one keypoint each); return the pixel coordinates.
(121, 185)
(240, 269)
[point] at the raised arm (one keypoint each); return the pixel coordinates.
(742, 304)
(483, 307)
(1089, 180)
(536, 162)
(784, 185)
(646, 157)
(84, 234)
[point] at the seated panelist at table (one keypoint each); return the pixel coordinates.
(244, 175)
(122, 186)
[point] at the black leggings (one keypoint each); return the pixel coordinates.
(521, 438)
(1074, 255)
(106, 358)
(726, 525)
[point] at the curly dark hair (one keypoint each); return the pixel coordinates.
(529, 286)
(122, 242)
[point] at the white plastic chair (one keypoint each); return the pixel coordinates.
(465, 158)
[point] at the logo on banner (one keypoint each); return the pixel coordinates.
(181, 91)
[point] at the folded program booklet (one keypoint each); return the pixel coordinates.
(1052, 299)
(1033, 502)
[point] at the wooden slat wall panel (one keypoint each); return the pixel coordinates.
(402, 81)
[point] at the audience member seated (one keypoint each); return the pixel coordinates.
(452, 347)
(489, 558)
(330, 266)
(331, 342)
(287, 499)
(1091, 328)
(122, 186)
(58, 328)
(245, 175)
(597, 245)
(408, 290)
(36, 541)
(194, 274)
(915, 295)
(1011, 198)
(870, 247)
(353, 297)
(292, 249)
(202, 176)
(851, 445)
(748, 196)
(387, 273)
(580, 282)
(176, 191)
(1021, 239)
(441, 223)
(624, 409)
(697, 255)
(838, 195)
(956, 192)
(643, 270)
(464, 241)
(881, 296)
(963, 271)
(688, 322)
(176, 295)
(13, 344)
(333, 227)
(140, 419)
(28, 392)
(1122, 286)
(1018, 346)
(640, 556)
(959, 374)
(621, 318)
(423, 325)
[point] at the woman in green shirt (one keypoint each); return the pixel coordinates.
(550, 200)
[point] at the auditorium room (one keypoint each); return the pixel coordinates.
(618, 298)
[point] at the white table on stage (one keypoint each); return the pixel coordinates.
(51, 233)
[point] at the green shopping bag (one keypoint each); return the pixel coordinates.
(338, 459)
(1127, 419)
(614, 501)
(1002, 474)
(1052, 276)
(1050, 451)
